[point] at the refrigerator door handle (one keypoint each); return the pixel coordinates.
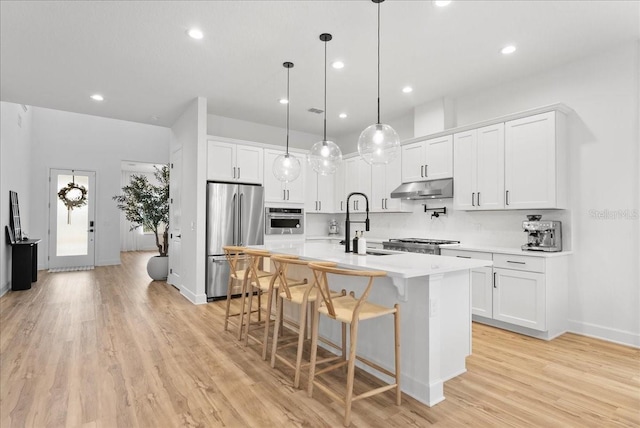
(235, 216)
(240, 219)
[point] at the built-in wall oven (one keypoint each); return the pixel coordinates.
(284, 221)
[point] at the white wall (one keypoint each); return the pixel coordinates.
(15, 174)
(604, 163)
(190, 133)
(220, 126)
(77, 141)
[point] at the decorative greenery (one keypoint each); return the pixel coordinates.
(73, 196)
(145, 204)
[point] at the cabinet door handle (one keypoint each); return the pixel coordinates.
(426, 174)
(284, 195)
(319, 205)
(473, 196)
(478, 199)
(421, 170)
(463, 257)
(386, 203)
(234, 172)
(288, 195)
(238, 173)
(495, 285)
(341, 206)
(517, 263)
(506, 197)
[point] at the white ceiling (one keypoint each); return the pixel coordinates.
(56, 54)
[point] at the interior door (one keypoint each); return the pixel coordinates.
(72, 218)
(175, 215)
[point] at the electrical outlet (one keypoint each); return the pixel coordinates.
(433, 308)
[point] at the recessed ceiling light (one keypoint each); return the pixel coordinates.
(342, 115)
(284, 101)
(508, 50)
(407, 89)
(442, 3)
(97, 97)
(194, 33)
(337, 65)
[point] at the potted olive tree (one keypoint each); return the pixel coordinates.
(147, 205)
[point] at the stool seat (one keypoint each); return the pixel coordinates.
(345, 307)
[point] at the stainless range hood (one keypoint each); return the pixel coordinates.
(434, 189)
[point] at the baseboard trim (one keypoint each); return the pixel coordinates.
(621, 337)
(5, 289)
(196, 299)
(108, 262)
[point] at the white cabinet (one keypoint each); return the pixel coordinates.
(534, 162)
(427, 160)
(319, 192)
(278, 191)
(234, 162)
(523, 293)
(519, 298)
(384, 180)
(357, 179)
(481, 281)
(479, 168)
(339, 189)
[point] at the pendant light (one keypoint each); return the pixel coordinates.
(286, 167)
(378, 144)
(325, 156)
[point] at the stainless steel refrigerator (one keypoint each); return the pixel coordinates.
(235, 216)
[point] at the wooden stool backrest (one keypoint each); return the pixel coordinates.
(235, 257)
(281, 263)
(255, 257)
(320, 271)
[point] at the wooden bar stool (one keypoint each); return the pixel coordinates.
(238, 269)
(260, 285)
(350, 310)
(302, 295)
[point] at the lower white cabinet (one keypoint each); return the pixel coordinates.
(519, 298)
(527, 294)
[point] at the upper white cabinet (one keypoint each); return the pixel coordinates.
(384, 180)
(428, 160)
(278, 191)
(478, 157)
(357, 179)
(319, 192)
(534, 167)
(234, 162)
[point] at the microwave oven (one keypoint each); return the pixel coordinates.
(284, 221)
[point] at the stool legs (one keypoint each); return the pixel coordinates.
(351, 370)
(396, 325)
(226, 314)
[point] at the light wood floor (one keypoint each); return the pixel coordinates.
(109, 348)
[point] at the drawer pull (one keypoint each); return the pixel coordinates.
(463, 257)
(518, 263)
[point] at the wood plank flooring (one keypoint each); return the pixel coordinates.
(110, 348)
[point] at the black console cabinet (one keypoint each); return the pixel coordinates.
(24, 264)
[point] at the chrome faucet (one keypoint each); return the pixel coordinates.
(347, 228)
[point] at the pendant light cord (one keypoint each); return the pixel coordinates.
(378, 63)
(325, 92)
(288, 102)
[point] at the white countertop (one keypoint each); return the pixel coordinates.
(505, 250)
(340, 237)
(397, 264)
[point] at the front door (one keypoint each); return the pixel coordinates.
(175, 213)
(72, 219)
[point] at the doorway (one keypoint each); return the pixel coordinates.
(72, 219)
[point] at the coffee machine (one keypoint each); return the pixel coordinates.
(542, 235)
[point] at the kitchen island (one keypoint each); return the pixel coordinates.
(434, 293)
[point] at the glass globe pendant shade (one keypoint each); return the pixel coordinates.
(286, 167)
(378, 144)
(324, 157)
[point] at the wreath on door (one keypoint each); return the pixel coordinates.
(73, 196)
